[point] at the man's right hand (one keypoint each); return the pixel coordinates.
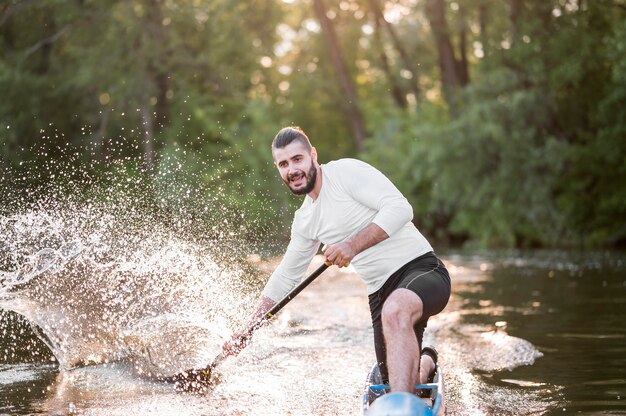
(237, 342)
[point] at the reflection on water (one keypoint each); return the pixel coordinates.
(571, 306)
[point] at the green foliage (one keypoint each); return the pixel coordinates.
(598, 165)
(505, 167)
(185, 96)
(536, 153)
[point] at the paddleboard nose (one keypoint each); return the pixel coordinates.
(399, 404)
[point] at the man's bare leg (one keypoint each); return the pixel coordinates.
(427, 367)
(401, 310)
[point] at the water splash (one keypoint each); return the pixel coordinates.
(98, 292)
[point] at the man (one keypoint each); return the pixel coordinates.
(364, 221)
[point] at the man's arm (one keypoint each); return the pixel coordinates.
(286, 276)
(393, 211)
(239, 340)
(341, 254)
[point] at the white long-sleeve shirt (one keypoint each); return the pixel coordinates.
(353, 195)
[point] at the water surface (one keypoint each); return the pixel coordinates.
(91, 318)
(571, 306)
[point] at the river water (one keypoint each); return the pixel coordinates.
(93, 314)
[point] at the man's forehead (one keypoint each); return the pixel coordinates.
(294, 148)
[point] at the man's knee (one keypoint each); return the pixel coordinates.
(401, 310)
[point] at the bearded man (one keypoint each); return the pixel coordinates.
(363, 220)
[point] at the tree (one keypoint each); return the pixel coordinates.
(454, 72)
(351, 101)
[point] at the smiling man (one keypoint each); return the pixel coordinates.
(297, 166)
(365, 221)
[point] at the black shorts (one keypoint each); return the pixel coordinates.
(427, 277)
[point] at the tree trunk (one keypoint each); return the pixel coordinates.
(404, 56)
(463, 65)
(515, 12)
(351, 107)
(159, 79)
(157, 67)
(482, 21)
(397, 93)
(448, 64)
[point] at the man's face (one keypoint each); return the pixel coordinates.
(296, 167)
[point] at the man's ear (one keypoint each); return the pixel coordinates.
(314, 154)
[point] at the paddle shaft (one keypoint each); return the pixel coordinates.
(269, 314)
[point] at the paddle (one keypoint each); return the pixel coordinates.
(197, 379)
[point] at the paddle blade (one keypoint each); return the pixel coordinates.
(194, 381)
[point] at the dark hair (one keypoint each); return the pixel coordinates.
(287, 135)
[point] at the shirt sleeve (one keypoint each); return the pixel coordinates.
(291, 269)
(370, 187)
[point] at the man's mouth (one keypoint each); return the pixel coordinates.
(296, 177)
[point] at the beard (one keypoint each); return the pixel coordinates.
(310, 177)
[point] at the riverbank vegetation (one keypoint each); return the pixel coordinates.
(502, 121)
